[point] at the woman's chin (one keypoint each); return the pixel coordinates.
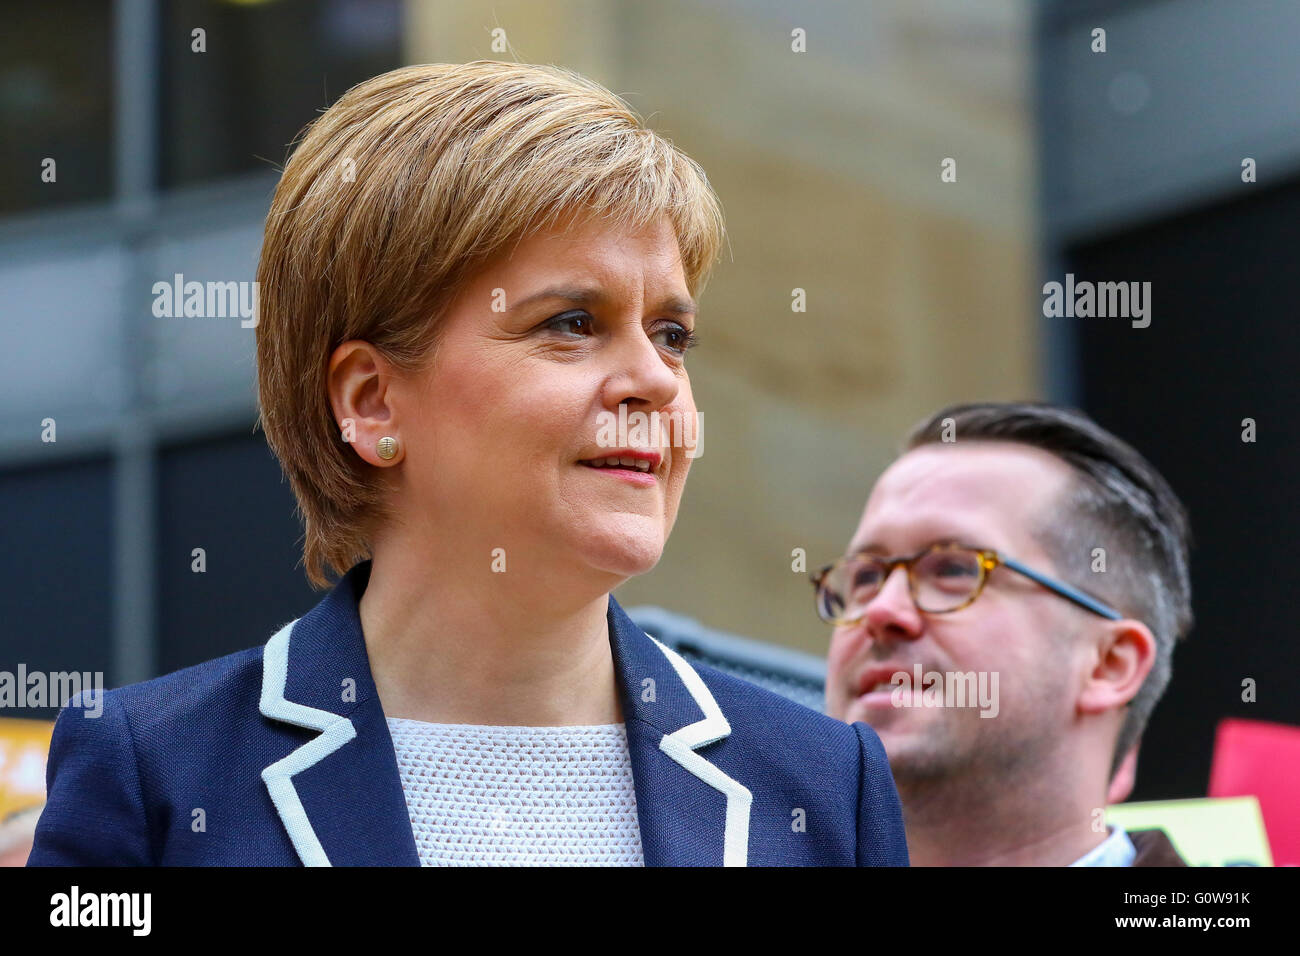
(625, 555)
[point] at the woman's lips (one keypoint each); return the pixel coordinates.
(636, 466)
(642, 479)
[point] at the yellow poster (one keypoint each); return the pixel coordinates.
(1223, 831)
(24, 745)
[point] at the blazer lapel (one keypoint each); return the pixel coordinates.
(339, 794)
(691, 813)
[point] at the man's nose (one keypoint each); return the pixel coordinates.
(892, 614)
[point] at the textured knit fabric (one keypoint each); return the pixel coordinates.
(518, 796)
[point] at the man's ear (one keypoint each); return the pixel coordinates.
(1125, 652)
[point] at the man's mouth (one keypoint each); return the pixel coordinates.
(880, 677)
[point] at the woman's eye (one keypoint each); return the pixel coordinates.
(576, 323)
(676, 337)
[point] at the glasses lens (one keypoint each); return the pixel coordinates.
(946, 578)
(847, 588)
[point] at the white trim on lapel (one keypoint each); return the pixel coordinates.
(335, 731)
(681, 747)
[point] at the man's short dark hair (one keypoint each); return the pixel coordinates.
(1118, 502)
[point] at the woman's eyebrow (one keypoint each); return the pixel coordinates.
(678, 305)
(586, 295)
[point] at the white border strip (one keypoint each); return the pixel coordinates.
(335, 732)
(680, 746)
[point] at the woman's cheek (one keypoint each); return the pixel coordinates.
(676, 483)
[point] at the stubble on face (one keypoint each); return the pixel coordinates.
(958, 744)
(987, 495)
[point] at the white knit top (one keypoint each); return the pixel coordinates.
(518, 796)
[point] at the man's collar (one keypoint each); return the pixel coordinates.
(1116, 850)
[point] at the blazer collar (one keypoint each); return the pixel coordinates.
(690, 811)
(339, 794)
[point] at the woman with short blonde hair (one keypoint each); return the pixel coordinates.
(395, 195)
(468, 271)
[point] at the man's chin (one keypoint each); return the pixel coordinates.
(904, 734)
(878, 711)
(915, 760)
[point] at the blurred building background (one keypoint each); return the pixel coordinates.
(1122, 165)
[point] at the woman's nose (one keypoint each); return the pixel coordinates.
(640, 376)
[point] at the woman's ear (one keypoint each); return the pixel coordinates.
(359, 381)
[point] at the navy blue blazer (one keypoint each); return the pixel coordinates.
(262, 758)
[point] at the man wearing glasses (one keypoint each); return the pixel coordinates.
(1019, 549)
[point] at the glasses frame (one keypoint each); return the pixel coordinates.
(989, 560)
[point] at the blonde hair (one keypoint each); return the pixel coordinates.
(393, 197)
